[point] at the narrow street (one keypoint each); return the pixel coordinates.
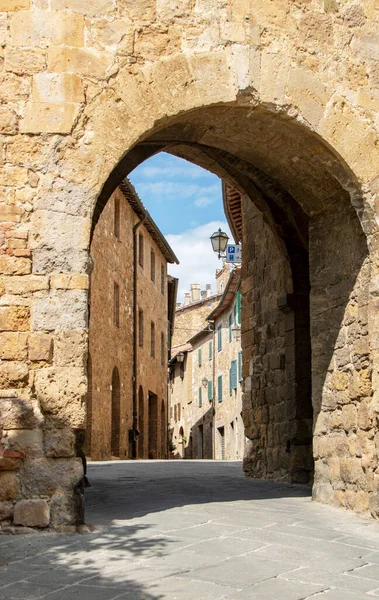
(196, 530)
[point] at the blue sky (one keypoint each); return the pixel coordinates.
(185, 201)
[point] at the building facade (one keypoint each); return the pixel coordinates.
(130, 296)
(206, 381)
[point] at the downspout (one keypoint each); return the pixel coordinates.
(214, 393)
(135, 281)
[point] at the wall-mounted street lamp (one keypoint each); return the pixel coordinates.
(236, 332)
(180, 357)
(219, 240)
(204, 381)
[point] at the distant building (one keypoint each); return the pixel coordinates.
(130, 332)
(205, 379)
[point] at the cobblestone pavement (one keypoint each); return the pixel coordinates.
(196, 530)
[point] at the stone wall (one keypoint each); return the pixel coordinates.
(254, 91)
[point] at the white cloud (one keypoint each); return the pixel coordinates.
(175, 170)
(198, 263)
(204, 201)
(177, 190)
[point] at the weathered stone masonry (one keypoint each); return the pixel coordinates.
(281, 100)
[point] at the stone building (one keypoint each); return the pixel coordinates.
(206, 380)
(277, 98)
(113, 400)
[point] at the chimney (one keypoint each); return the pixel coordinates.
(208, 289)
(178, 305)
(187, 299)
(203, 294)
(195, 292)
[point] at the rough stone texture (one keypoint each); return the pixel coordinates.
(9, 486)
(59, 443)
(280, 99)
(32, 513)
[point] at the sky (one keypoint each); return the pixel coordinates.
(185, 201)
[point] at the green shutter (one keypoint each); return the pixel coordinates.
(210, 350)
(233, 375)
(199, 357)
(239, 307)
(235, 313)
(240, 366)
(210, 390)
(219, 338)
(230, 382)
(230, 327)
(219, 388)
(200, 396)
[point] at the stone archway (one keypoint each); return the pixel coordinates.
(250, 93)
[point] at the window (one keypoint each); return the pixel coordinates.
(162, 350)
(235, 313)
(210, 350)
(199, 357)
(219, 388)
(240, 366)
(152, 266)
(210, 391)
(117, 218)
(200, 397)
(230, 323)
(176, 412)
(140, 328)
(163, 279)
(179, 407)
(116, 304)
(239, 296)
(140, 250)
(152, 339)
(219, 338)
(232, 376)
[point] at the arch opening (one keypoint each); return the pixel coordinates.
(299, 202)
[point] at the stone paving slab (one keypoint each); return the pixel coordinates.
(196, 530)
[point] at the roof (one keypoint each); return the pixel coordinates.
(233, 210)
(200, 335)
(228, 296)
(136, 203)
(197, 302)
(176, 349)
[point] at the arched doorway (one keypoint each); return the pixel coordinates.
(115, 413)
(182, 443)
(141, 423)
(164, 427)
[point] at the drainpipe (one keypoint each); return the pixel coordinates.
(135, 280)
(214, 392)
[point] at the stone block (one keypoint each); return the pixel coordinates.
(59, 443)
(91, 63)
(339, 381)
(62, 392)
(60, 311)
(13, 374)
(64, 511)
(95, 7)
(6, 510)
(44, 117)
(18, 414)
(13, 346)
(14, 318)
(40, 347)
(21, 60)
(13, 5)
(24, 285)
(28, 442)
(45, 477)
(32, 513)
(69, 281)
(71, 349)
(57, 87)
(8, 121)
(9, 486)
(41, 27)
(144, 11)
(10, 265)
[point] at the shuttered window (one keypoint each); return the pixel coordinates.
(210, 350)
(210, 391)
(200, 396)
(219, 388)
(233, 376)
(219, 338)
(230, 327)
(239, 307)
(199, 357)
(240, 366)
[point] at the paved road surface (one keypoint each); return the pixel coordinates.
(196, 530)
